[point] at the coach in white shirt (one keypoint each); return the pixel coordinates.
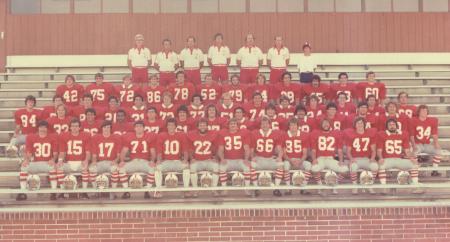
(191, 60)
(219, 59)
(277, 60)
(166, 62)
(139, 60)
(249, 58)
(307, 65)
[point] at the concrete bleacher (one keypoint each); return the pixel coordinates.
(424, 76)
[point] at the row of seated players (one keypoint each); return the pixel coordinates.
(175, 148)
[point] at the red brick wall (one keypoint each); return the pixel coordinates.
(371, 224)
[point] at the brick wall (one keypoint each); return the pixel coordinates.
(371, 224)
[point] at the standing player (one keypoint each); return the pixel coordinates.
(41, 154)
(166, 62)
(325, 144)
(373, 107)
(215, 122)
(184, 122)
(361, 150)
(113, 108)
(100, 91)
(140, 147)
(372, 87)
(122, 126)
(196, 109)
(210, 91)
(242, 120)
(391, 113)
(343, 107)
(307, 64)
(236, 89)
(305, 123)
(167, 109)
(71, 91)
(126, 91)
(314, 108)
(337, 121)
(261, 86)
(422, 129)
(50, 110)
(285, 109)
(203, 153)
(219, 59)
(181, 90)
(277, 60)
(91, 125)
(137, 112)
(80, 111)
(404, 107)
(249, 58)
(154, 91)
(191, 60)
(153, 123)
(139, 60)
(343, 86)
(393, 151)
(286, 88)
(371, 120)
(227, 106)
(321, 90)
(61, 122)
(255, 109)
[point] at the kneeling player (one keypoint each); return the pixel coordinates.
(202, 154)
(325, 144)
(267, 153)
(234, 153)
(393, 151)
(141, 149)
(40, 157)
(295, 145)
(361, 150)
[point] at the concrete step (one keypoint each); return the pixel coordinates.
(14, 93)
(9, 164)
(19, 102)
(412, 90)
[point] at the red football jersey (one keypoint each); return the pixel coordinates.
(126, 94)
(293, 144)
(41, 148)
(264, 145)
(392, 145)
(246, 124)
(80, 113)
(326, 143)
(121, 128)
(307, 125)
(217, 124)
(182, 94)
(314, 112)
(106, 148)
(377, 89)
(153, 94)
(293, 92)
(136, 114)
(422, 130)
(202, 146)
(71, 95)
(371, 121)
(322, 91)
(211, 94)
(27, 120)
(233, 143)
(377, 110)
(50, 111)
(111, 115)
(100, 93)
(360, 143)
(337, 123)
(172, 147)
(285, 112)
(226, 111)
(237, 92)
(265, 90)
(197, 112)
(254, 112)
(408, 110)
(154, 127)
(167, 111)
(57, 125)
(402, 121)
(92, 128)
(185, 125)
(75, 147)
(349, 90)
(347, 109)
(277, 123)
(139, 148)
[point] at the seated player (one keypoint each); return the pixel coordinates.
(320, 90)
(75, 154)
(80, 110)
(361, 150)
(314, 108)
(285, 109)
(227, 106)
(242, 120)
(325, 144)
(105, 151)
(91, 124)
(276, 122)
(343, 86)
(138, 110)
(337, 121)
(113, 107)
(59, 123)
(305, 124)
(392, 113)
(50, 110)
(26, 120)
(153, 123)
(267, 153)
(236, 90)
(184, 122)
(234, 153)
(404, 107)
(167, 109)
(422, 129)
(255, 108)
(153, 91)
(371, 120)
(172, 155)
(41, 154)
(140, 148)
(372, 87)
(181, 90)
(70, 91)
(196, 109)
(122, 126)
(100, 91)
(262, 86)
(393, 151)
(215, 122)
(203, 149)
(343, 107)
(373, 107)
(295, 145)
(288, 89)
(127, 91)
(209, 90)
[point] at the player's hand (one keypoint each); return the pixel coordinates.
(51, 163)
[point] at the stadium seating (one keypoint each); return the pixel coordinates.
(424, 76)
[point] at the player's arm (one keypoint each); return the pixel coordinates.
(149, 60)
(238, 58)
(380, 155)
(436, 144)
(202, 60)
(314, 155)
(220, 153)
(279, 153)
(304, 154)
(348, 153)
(156, 63)
(152, 154)
(413, 142)
(129, 64)
(17, 130)
(340, 155)
(373, 152)
(260, 58)
(247, 152)
(123, 155)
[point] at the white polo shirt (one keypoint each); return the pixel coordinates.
(278, 57)
(249, 56)
(218, 54)
(139, 57)
(191, 58)
(307, 63)
(166, 62)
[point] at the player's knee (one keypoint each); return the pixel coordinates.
(373, 167)
(315, 168)
(287, 165)
(354, 167)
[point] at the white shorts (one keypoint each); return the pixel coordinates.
(37, 167)
(398, 163)
(206, 165)
(305, 165)
(103, 167)
(328, 162)
(365, 164)
(72, 167)
(234, 165)
(137, 166)
(172, 166)
(263, 163)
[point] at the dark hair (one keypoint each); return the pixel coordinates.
(90, 110)
(331, 105)
(30, 98)
(342, 74)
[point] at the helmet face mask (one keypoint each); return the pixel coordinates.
(366, 178)
(331, 178)
(171, 180)
(298, 178)
(70, 182)
(136, 181)
(264, 179)
(237, 179)
(33, 182)
(206, 179)
(102, 181)
(403, 178)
